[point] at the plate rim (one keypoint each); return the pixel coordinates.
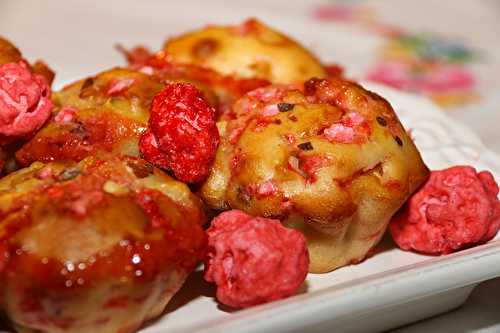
(270, 317)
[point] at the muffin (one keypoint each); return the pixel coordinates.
(106, 114)
(330, 159)
(248, 50)
(95, 246)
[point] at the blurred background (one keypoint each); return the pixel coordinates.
(448, 51)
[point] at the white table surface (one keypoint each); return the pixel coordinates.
(76, 38)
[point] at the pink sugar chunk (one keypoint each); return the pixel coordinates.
(457, 208)
(118, 86)
(25, 102)
(254, 260)
(66, 115)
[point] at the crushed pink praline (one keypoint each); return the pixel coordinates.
(254, 260)
(456, 208)
(25, 102)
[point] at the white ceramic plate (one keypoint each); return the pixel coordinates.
(388, 290)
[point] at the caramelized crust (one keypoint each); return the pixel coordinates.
(249, 50)
(98, 246)
(220, 91)
(331, 160)
(127, 92)
(8, 52)
(103, 114)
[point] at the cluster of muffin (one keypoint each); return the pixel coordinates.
(109, 183)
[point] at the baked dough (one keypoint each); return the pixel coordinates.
(99, 246)
(331, 160)
(106, 113)
(249, 50)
